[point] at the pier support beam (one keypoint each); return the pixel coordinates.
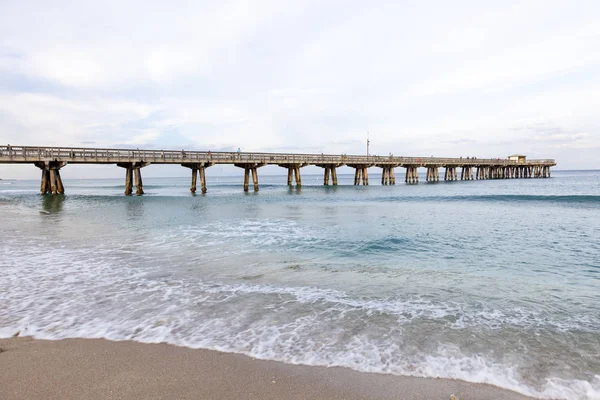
(139, 186)
(388, 177)
(198, 169)
(298, 177)
(466, 173)
(194, 179)
(329, 171)
(293, 170)
(361, 173)
(433, 174)
(255, 179)
(450, 174)
(250, 168)
(133, 171)
(246, 178)
(128, 180)
(51, 180)
(412, 175)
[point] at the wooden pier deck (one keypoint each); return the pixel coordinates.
(51, 159)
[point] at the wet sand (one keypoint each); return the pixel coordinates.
(101, 369)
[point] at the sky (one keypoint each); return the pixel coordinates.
(451, 79)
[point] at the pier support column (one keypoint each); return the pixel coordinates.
(293, 170)
(298, 178)
(139, 186)
(360, 173)
(198, 169)
(133, 171)
(255, 179)
(387, 175)
(246, 178)
(451, 174)
(51, 180)
(59, 185)
(194, 179)
(330, 174)
(128, 180)
(203, 179)
(45, 180)
(412, 175)
(433, 174)
(250, 168)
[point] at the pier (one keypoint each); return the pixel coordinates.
(50, 160)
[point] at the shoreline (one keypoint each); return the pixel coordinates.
(103, 369)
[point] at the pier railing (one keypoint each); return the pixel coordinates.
(28, 154)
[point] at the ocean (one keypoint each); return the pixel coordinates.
(493, 281)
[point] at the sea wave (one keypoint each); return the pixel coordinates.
(515, 198)
(298, 325)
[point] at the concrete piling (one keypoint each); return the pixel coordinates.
(298, 178)
(203, 179)
(51, 182)
(255, 178)
(45, 179)
(412, 175)
(129, 181)
(133, 171)
(139, 186)
(388, 176)
(246, 178)
(198, 169)
(194, 179)
(59, 185)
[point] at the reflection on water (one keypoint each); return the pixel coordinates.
(53, 203)
(134, 207)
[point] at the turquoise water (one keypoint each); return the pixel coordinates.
(487, 281)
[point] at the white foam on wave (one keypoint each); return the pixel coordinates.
(79, 296)
(274, 233)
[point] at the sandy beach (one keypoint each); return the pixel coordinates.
(101, 369)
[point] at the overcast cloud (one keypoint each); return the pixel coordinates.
(456, 78)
